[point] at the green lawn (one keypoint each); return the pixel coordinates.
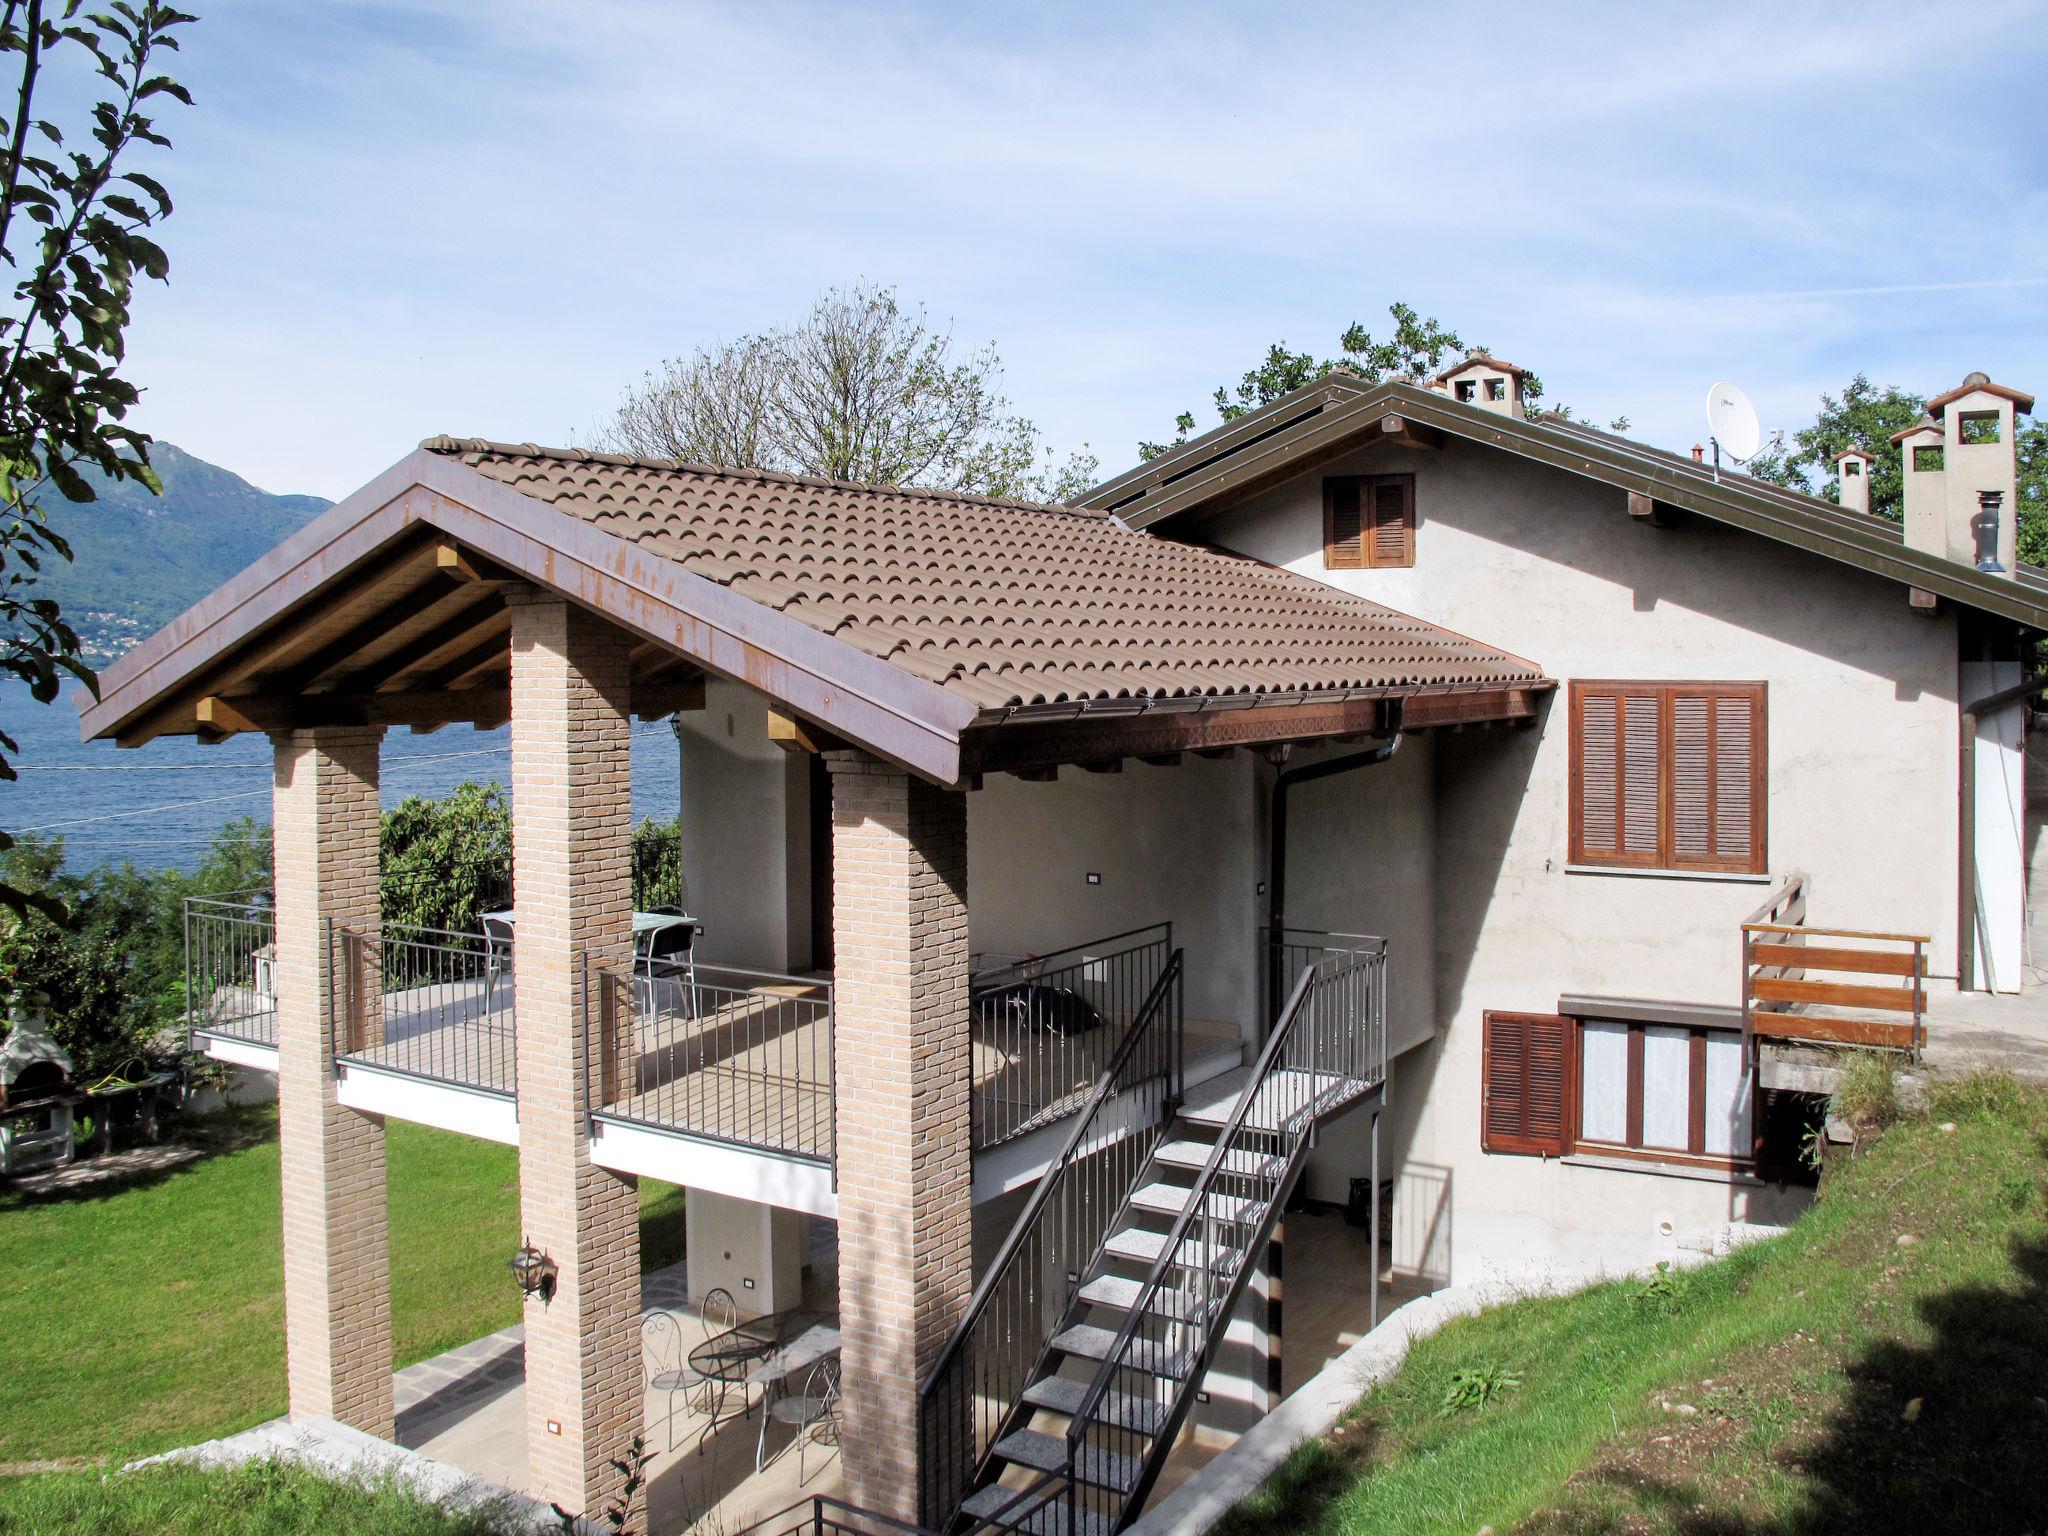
(260, 1500)
(1883, 1367)
(151, 1315)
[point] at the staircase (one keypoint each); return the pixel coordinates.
(1058, 1399)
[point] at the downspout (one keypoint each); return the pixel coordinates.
(1276, 881)
(1966, 820)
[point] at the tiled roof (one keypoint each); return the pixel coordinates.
(1001, 603)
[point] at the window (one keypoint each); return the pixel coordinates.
(1662, 1090)
(1368, 522)
(1552, 1085)
(1973, 427)
(1926, 460)
(1851, 468)
(1496, 389)
(1668, 776)
(1468, 390)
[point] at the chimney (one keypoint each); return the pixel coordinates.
(1962, 475)
(1852, 479)
(1484, 381)
(1699, 453)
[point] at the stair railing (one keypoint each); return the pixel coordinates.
(1327, 1049)
(974, 1386)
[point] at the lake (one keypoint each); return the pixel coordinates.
(159, 805)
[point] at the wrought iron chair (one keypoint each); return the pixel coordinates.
(666, 1359)
(813, 1414)
(497, 955)
(717, 1313)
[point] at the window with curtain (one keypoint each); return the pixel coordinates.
(1660, 1092)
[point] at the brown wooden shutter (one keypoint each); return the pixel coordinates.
(1525, 1084)
(1390, 507)
(1717, 777)
(1343, 523)
(1616, 768)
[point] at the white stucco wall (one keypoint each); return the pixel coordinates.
(1861, 795)
(1171, 845)
(746, 837)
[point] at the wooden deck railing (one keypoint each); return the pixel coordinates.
(1831, 986)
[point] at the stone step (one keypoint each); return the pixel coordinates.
(1147, 1355)
(1172, 1199)
(1121, 1293)
(1137, 1246)
(1048, 1519)
(1094, 1464)
(1059, 1394)
(1195, 1155)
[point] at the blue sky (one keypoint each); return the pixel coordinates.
(420, 216)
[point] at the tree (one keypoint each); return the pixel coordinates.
(71, 233)
(1414, 351)
(859, 389)
(1862, 416)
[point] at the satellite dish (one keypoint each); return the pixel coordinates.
(1732, 421)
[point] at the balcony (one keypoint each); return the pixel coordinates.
(1831, 986)
(231, 978)
(728, 1067)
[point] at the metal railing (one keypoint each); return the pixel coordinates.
(231, 966)
(1325, 1051)
(1045, 1027)
(1287, 952)
(824, 1515)
(1792, 986)
(972, 1393)
(719, 1052)
(426, 1002)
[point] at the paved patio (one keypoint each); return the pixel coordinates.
(468, 1407)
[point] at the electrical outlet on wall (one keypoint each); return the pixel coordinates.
(1095, 877)
(746, 1282)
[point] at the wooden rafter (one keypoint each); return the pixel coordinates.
(486, 707)
(465, 629)
(397, 567)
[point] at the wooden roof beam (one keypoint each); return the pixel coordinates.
(792, 733)
(402, 564)
(486, 708)
(466, 629)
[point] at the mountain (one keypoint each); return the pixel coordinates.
(141, 560)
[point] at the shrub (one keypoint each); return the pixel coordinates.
(1866, 1093)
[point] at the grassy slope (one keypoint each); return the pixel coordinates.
(262, 1500)
(146, 1316)
(1797, 1359)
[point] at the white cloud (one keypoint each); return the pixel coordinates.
(439, 215)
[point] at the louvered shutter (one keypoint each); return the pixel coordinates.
(1525, 1087)
(1617, 752)
(1717, 777)
(1390, 501)
(1343, 523)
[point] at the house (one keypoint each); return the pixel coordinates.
(1378, 785)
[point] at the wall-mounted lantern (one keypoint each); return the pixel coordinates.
(534, 1271)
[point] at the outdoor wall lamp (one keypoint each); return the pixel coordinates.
(534, 1271)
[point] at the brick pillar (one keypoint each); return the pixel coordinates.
(337, 1256)
(902, 1058)
(572, 830)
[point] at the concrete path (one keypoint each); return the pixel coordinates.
(1967, 1030)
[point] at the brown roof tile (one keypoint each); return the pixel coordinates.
(1002, 603)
